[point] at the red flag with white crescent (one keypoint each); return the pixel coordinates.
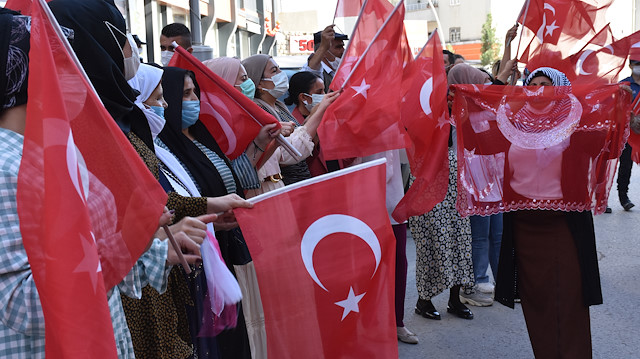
(364, 119)
(88, 205)
(326, 267)
(231, 117)
(426, 118)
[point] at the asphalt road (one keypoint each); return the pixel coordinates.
(500, 332)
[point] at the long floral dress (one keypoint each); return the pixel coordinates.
(443, 243)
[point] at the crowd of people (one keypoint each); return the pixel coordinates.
(158, 107)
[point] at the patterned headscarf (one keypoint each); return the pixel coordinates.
(14, 58)
(557, 78)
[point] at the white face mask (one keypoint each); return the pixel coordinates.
(131, 64)
(156, 122)
(636, 70)
(280, 83)
(335, 63)
(165, 57)
(315, 101)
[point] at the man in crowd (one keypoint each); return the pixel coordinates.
(624, 169)
(328, 50)
(170, 33)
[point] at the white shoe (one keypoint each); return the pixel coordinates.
(406, 336)
(475, 297)
(486, 288)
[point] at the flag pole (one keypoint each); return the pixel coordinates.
(346, 51)
(401, 3)
(177, 248)
(524, 19)
(435, 14)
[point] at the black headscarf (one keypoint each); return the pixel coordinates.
(101, 56)
(203, 171)
(14, 58)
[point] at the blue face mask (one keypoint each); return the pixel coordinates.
(248, 88)
(190, 113)
(159, 110)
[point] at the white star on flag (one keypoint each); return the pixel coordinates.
(90, 263)
(350, 304)
(362, 89)
(551, 28)
(442, 121)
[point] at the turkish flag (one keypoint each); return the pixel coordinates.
(374, 13)
(558, 21)
(231, 117)
(426, 117)
(348, 8)
(364, 119)
(556, 29)
(23, 6)
(601, 65)
(88, 206)
(326, 267)
(573, 137)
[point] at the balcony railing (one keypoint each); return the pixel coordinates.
(420, 5)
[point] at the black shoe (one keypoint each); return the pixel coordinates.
(608, 210)
(426, 309)
(460, 310)
(627, 205)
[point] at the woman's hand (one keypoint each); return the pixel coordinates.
(225, 203)
(194, 227)
(266, 135)
(190, 250)
(287, 128)
(326, 101)
(511, 34)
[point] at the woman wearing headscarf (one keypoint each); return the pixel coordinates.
(158, 322)
(548, 258)
(272, 83)
(443, 244)
(23, 335)
(486, 231)
(232, 71)
(186, 137)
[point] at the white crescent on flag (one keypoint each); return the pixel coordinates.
(224, 125)
(425, 96)
(331, 224)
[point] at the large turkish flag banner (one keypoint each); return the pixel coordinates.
(324, 253)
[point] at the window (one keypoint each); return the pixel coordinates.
(454, 34)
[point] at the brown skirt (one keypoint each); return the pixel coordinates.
(550, 285)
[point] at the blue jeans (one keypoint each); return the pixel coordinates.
(486, 233)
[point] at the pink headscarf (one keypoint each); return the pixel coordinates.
(225, 67)
(465, 74)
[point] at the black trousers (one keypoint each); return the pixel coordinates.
(624, 172)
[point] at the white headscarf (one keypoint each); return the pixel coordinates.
(145, 81)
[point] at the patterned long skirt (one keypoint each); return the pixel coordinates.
(443, 243)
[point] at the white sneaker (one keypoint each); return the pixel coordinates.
(406, 336)
(486, 288)
(474, 297)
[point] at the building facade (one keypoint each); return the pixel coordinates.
(227, 27)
